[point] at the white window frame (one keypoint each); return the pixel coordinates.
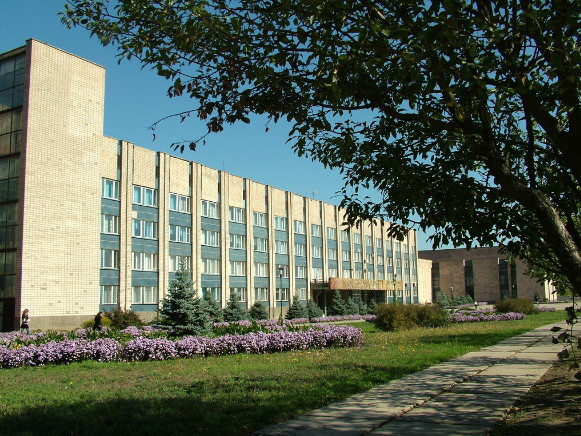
(237, 242)
(345, 256)
(240, 293)
(259, 219)
(358, 256)
(237, 215)
(317, 273)
(345, 236)
(316, 230)
(280, 223)
(210, 238)
(109, 258)
(144, 196)
(300, 249)
(282, 294)
(379, 259)
(176, 259)
(237, 268)
(210, 209)
(215, 292)
(210, 266)
(261, 294)
(316, 251)
(368, 241)
(110, 189)
(179, 233)
(285, 271)
(357, 238)
(281, 247)
(332, 233)
(378, 243)
(299, 227)
(260, 244)
(369, 258)
(301, 293)
(332, 253)
(260, 269)
(179, 203)
(346, 273)
(110, 291)
(144, 295)
(300, 272)
(333, 272)
(143, 229)
(142, 261)
(109, 224)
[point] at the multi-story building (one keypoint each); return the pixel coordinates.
(90, 223)
(485, 274)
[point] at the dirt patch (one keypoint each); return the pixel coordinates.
(551, 407)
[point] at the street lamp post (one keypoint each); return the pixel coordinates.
(394, 291)
(280, 271)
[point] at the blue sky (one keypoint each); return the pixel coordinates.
(136, 98)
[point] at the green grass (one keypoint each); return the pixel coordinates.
(231, 395)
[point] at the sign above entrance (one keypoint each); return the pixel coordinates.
(362, 284)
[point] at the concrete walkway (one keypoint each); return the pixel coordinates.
(463, 396)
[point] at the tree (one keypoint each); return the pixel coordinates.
(351, 307)
(233, 311)
(296, 309)
(214, 309)
(337, 306)
(182, 309)
(258, 311)
(464, 113)
(313, 310)
(372, 307)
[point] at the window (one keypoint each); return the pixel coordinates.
(389, 261)
(332, 253)
(280, 223)
(144, 261)
(368, 242)
(237, 268)
(175, 260)
(380, 275)
(261, 294)
(301, 293)
(210, 266)
(239, 294)
(144, 196)
(237, 215)
(300, 227)
(316, 230)
(358, 256)
(347, 273)
(300, 249)
(282, 269)
(210, 209)
(260, 244)
(109, 294)
(413, 251)
(346, 256)
(301, 272)
(379, 242)
(406, 263)
(179, 233)
(212, 291)
(316, 252)
(331, 233)
(144, 295)
(369, 258)
(317, 273)
(333, 272)
(281, 294)
(111, 189)
(109, 258)
(237, 242)
(210, 238)
(380, 260)
(405, 248)
(259, 219)
(179, 203)
(388, 244)
(260, 269)
(144, 229)
(110, 224)
(369, 274)
(357, 238)
(344, 236)
(398, 264)
(281, 247)
(397, 247)
(358, 274)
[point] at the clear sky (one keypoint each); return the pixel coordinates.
(135, 98)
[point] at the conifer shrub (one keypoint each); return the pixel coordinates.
(296, 310)
(258, 311)
(372, 307)
(351, 307)
(314, 310)
(517, 305)
(337, 306)
(233, 311)
(362, 308)
(214, 310)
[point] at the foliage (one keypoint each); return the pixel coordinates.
(362, 308)
(569, 338)
(518, 305)
(313, 310)
(182, 309)
(233, 311)
(448, 302)
(121, 319)
(351, 307)
(466, 114)
(258, 311)
(297, 310)
(337, 306)
(214, 310)
(105, 322)
(372, 307)
(396, 317)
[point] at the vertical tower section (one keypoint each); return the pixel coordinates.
(60, 186)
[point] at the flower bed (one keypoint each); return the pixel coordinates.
(142, 348)
(480, 316)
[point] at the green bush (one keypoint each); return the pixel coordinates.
(121, 319)
(88, 324)
(338, 306)
(372, 307)
(313, 310)
(258, 311)
(396, 317)
(518, 305)
(297, 310)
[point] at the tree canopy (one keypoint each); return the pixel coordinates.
(464, 113)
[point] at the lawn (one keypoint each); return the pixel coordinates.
(228, 395)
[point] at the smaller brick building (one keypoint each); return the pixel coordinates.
(484, 274)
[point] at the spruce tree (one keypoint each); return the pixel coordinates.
(351, 308)
(214, 309)
(182, 309)
(372, 307)
(337, 306)
(362, 308)
(313, 310)
(233, 312)
(296, 310)
(258, 311)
